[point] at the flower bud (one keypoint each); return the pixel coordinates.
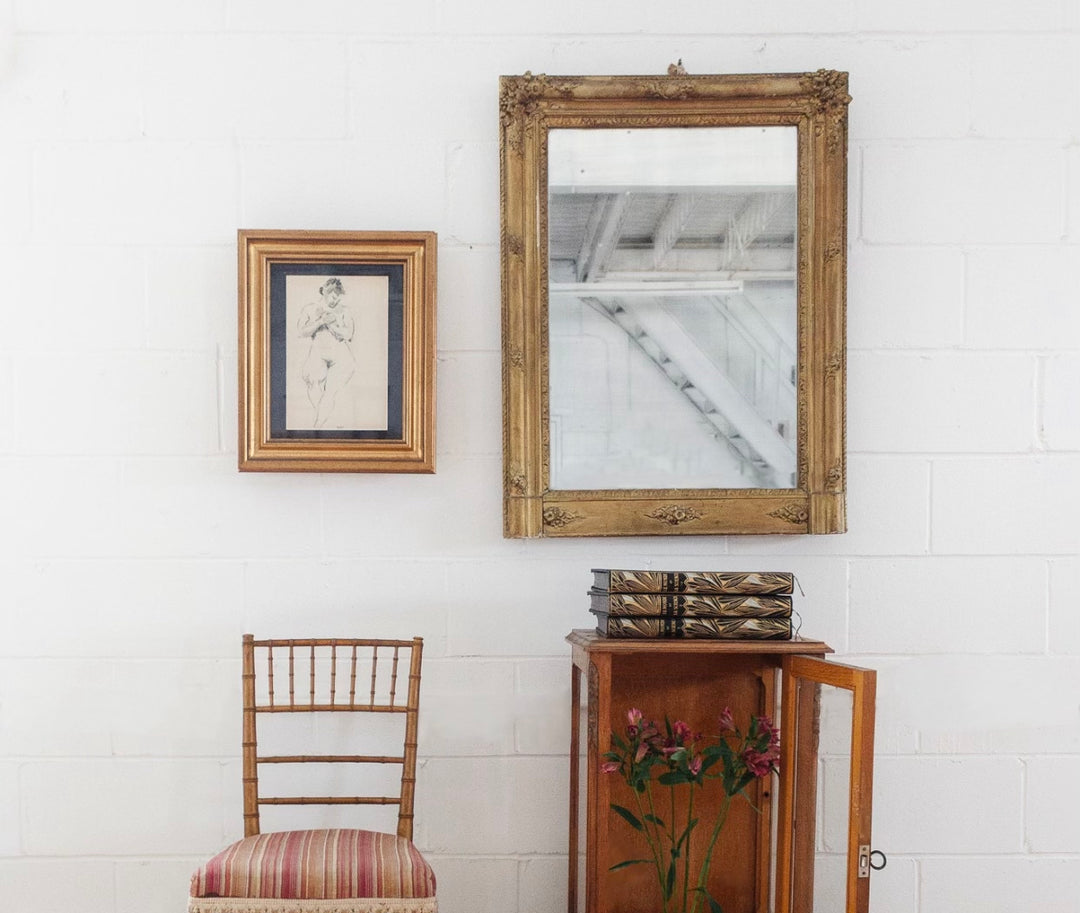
(727, 724)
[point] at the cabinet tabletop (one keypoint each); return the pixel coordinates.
(592, 642)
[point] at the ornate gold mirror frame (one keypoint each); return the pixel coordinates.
(814, 108)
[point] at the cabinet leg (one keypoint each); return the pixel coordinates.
(575, 763)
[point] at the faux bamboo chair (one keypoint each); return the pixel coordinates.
(328, 870)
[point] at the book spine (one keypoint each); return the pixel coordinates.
(718, 582)
(696, 628)
(678, 605)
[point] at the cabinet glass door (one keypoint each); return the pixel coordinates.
(826, 782)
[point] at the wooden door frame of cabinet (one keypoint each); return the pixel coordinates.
(803, 704)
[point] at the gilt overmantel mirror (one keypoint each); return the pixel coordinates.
(673, 281)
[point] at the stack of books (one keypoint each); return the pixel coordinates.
(698, 604)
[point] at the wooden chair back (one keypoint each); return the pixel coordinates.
(317, 676)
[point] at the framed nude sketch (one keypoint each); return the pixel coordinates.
(337, 351)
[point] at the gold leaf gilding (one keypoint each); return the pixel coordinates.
(674, 514)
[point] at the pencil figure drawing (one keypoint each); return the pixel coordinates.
(337, 362)
(330, 363)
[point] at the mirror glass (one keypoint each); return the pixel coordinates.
(829, 872)
(672, 307)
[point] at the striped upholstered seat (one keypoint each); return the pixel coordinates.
(324, 865)
(331, 870)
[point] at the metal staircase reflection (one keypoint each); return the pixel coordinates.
(750, 428)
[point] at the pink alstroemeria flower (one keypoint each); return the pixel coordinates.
(670, 756)
(680, 731)
(759, 764)
(727, 723)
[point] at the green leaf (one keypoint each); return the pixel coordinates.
(629, 816)
(714, 907)
(685, 834)
(669, 886)
(654, 820)
(743, 782)
(748, 802)
(673, 778)
(628, 862)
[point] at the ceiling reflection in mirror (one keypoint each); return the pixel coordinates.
(672, 307)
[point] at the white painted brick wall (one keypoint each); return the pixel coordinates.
(934, 783)
(1053, 785)
(103, 103)
(15, 177)
(134, 192)
(1061, 402)
(477, 883)
(499, 801)
(184, 288)
(54, 884)
(137, 137)
(1064, 628)
(11, 835)
(120, 807)
(942, 403)
(1039, 105)
(101, 414)
(957, 191)
(1073, 193)
(968, 16)
(305, 75)
(7, 405)
(996, 884)
(153, 883)
(909, 297)
(970, 605)
(1022, 505)
(108, 277)
(1004, 310)
(124, 16)
(166, 608)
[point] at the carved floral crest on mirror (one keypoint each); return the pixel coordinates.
(673, 295)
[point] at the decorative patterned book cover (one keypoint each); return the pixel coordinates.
(674, 605)
(694, 627)
(734, 582)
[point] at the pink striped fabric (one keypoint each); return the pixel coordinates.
(317, 864)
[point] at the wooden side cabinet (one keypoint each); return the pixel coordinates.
(804, 843)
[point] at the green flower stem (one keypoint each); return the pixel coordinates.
(686, 872)
(651, 836)
(661, 874)
(704, 875)
(672, 837)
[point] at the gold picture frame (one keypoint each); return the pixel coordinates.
(810, 110)
(336, 351)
